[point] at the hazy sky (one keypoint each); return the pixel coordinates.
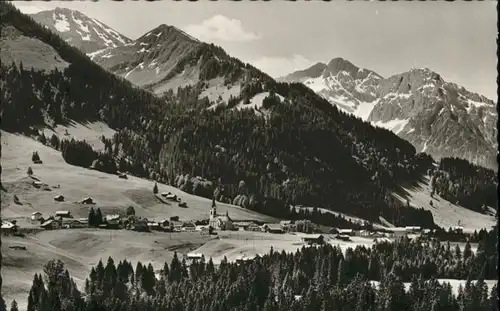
(455, 39)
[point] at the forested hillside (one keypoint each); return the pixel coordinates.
(312, 279)
(469, 185)
(302, 151)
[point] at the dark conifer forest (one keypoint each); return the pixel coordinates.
(315, 278)
(469, 185)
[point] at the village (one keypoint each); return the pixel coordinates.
(309, 233)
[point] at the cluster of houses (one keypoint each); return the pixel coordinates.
(219, 222)
(60, 220)
(395, 232)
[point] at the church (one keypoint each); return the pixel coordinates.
(219, 222)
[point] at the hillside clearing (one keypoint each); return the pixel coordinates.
(445, 213)
(90, 132)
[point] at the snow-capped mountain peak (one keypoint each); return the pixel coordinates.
(436, 116)
(85, 33)
(350, 88)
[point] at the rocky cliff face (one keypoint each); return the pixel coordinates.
(437, 117)
(85, 33)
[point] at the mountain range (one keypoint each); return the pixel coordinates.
(436, 116)
(200, 113)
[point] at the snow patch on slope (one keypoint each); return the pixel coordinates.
(94, 54)
(396, 125)
(217, 92)
(256, 101)
(364, 109)
(61, 23)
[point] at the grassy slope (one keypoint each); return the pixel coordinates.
(111, 193)
(33, 53)
(444, 212)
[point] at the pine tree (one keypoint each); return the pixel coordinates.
(92, 218)
(30, 171)
(98, 217)
(155, 189)
(130, 211)
(13, 306)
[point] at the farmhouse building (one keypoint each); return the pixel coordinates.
(64, 214)
(253, 227)
(348, 232)
(59, 198)
(194, 257)
(313, 239)
(246, 225)
(273, 228)
(88, 200)
(242, 259)
(50, 224)
(202, 228)
(141, 225)
(8, 227)
(84, 221)
(35, 216)
(72, 223)
(188, 226)
(220, 222)
(152, 225)
(112, 221)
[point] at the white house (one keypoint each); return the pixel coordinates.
(8, 226)
(348, 232)
(193, 257)
(35, 216)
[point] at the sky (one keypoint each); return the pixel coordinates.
(455, 39)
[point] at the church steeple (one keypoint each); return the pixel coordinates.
(213, 209)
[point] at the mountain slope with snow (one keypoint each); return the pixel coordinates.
(437, 117)
(151, 60)
(85, 33)
(350, 88)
